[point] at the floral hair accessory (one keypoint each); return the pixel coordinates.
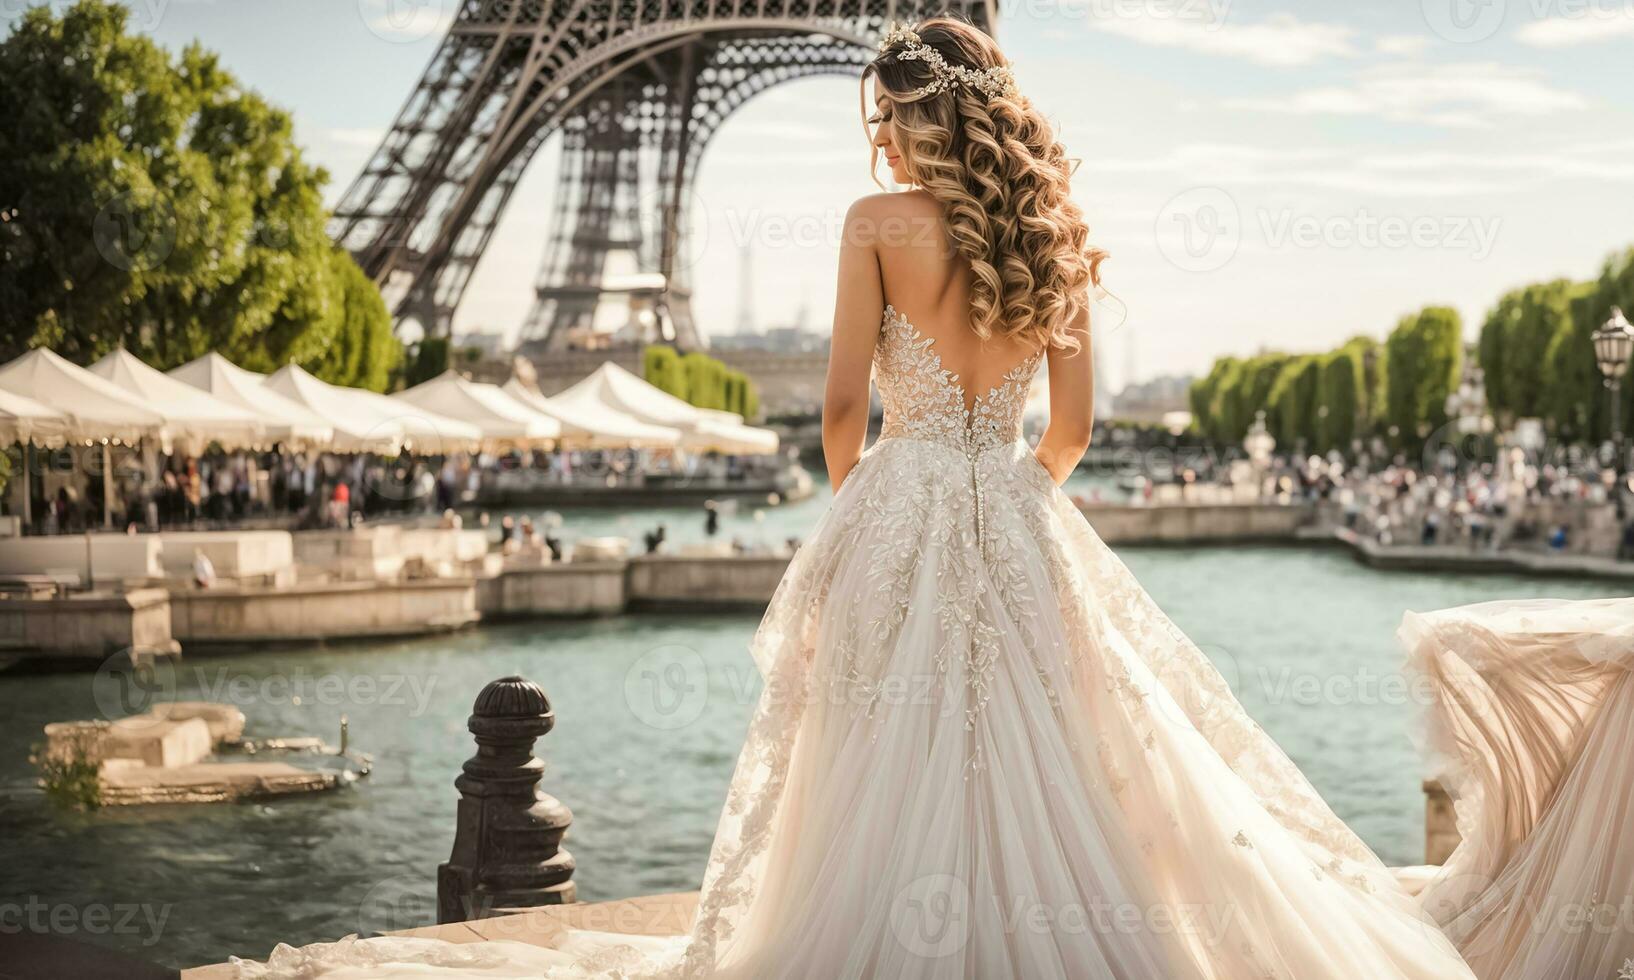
(992, 82)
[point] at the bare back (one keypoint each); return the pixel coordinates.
(929, 283)
(895, 261)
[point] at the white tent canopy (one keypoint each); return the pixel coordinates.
(282, 419)
(610, 386)
(23, 419)
(366, 422)
(189, 413)
(501, 418)
(601, 428)
(95, 407)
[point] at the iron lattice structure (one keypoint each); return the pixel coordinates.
(636, 89)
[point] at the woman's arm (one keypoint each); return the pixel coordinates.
(859, 306)
(1072, 404)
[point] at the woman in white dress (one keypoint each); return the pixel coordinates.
(982, 751)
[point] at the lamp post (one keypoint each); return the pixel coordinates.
(1613, 343)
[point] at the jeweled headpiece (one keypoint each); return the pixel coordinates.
(991, 82)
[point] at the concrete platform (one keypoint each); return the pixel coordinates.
(648, 915)
(1195, 524)
(1450, 558)
(88, 626)
(323, 611)
(212, 782)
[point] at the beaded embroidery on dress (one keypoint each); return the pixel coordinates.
(982, 751)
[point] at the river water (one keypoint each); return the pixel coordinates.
(640, 755)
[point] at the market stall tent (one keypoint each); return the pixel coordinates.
(501, 418)
(598, 428)
(368, 422)
(23, 420)
(95, 407)
(282, 419)
(189, 413)
(610, 386)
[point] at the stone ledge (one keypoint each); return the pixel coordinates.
(647, 915)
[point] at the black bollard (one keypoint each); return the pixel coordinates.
(507, 853)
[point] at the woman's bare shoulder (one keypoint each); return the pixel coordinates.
(895, 219)
(911, 202)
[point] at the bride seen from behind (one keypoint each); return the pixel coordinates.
(981, 750)
(987, 250)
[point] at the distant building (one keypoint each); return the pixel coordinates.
(1154, 401)
(779, 340)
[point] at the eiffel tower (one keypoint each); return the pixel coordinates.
(636, 89)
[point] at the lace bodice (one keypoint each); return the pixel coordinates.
(922, 400)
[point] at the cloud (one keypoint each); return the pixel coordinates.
(357, 137)
(1461, 96)
(408, 20)
(1402, 45)
(1280, 41)
(1378, 173)
(1594, 23)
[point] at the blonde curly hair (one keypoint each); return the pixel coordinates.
(993, 163)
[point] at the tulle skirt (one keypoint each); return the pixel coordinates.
(1532, 732)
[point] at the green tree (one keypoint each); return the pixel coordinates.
(1514, 345)
(1574, 402)
(661, 366)
(1422, 359)
(155, 203)
(426, 360)
(1206, 416)
(1339, 399)
(1291, 403)
(706, 380)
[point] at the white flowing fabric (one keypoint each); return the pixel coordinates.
(1532, 724)
(983, 752)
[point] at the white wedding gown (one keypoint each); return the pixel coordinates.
(983, 752)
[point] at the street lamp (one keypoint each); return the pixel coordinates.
(1613, 343)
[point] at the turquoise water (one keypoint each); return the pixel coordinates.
(1305, 636)
(755, 522)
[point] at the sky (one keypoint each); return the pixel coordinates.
(1266, 175)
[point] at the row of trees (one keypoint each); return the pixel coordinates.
(152, 202)
(1537, 352)
(701, 380)
(1323, 401)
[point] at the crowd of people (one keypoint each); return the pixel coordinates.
(320, 489)
(1560, 499)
